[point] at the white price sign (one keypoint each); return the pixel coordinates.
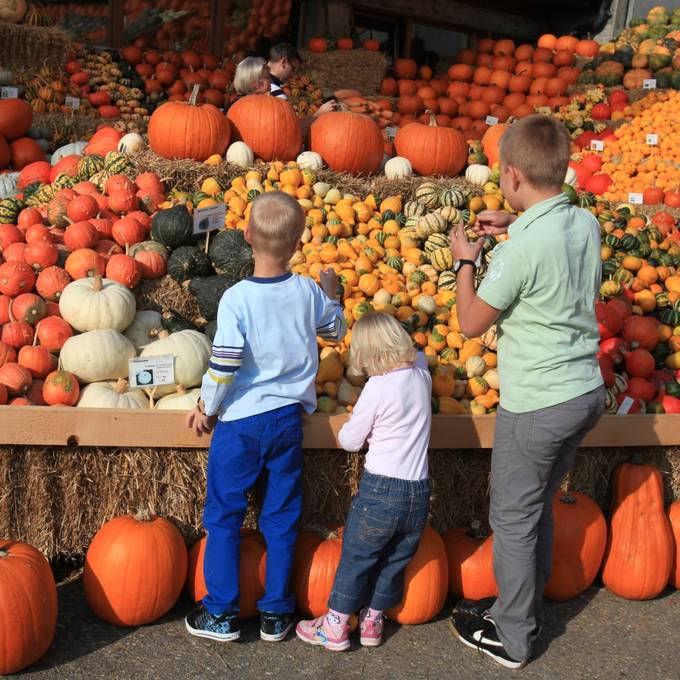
(597, 145)
(9, 93)
(625, 406)
(491, 120)
(72, 103)
(652, 139)
(152, 371)
(210, 218)
(391, 132)
(649, 84)
(635, 198)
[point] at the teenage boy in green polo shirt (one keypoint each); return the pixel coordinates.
(540, 288)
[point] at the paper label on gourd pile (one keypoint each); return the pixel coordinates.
(210, 218)
(391, 132)
(152, 371)
(626, 404)
(9, 93)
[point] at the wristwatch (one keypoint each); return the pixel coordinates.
(461, 263)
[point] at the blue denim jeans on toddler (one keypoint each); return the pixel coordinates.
(267, 449)
(383, 529)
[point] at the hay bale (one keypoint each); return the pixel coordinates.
(360, 70)
(29, 47)
(165, 293)
(56, 498)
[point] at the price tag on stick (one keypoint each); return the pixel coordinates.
(652, 139)
(391, 132)
(626, 404)
(491, 120)
(9, 93)
(649, 84)
(635, 198)
(72, 103)
(597, 145)
(210, 218)
(152, 371)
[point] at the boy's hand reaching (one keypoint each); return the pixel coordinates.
(200, 423)
(329, 282)
(461, 248)
(492, 223)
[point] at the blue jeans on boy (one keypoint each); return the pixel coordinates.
(383, 529)
(265, 448)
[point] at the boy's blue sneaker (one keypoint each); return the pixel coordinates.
(201, 623)
(275, 627)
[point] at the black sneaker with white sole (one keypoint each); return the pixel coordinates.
(479, 633)
(224, 628)
(482, 608)
(275, 627)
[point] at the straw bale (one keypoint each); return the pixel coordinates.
(56, 498)
(360, 70)
(165, 293)
(29, 47)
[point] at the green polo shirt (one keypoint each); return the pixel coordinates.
(545, 279)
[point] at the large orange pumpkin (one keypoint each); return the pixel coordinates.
(639, 555)
(491, 140)
(426, 582)
(432, 150)
(25, 151)
(28, 606)
(268, 125)
(469, 554)
(16, 117)
(135, 568)
(187, 130)
(251, 573)
(579, 541)
(674, 517)
(347, 142)
(317, 556)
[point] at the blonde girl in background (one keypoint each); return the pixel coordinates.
(389, 512)
(252, 76)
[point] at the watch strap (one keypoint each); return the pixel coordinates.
(461, 263)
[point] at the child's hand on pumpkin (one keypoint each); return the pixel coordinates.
(461, 248)
(492, 222)
(329, 283)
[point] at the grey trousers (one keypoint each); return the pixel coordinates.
(532, 454)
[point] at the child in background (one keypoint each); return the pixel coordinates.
(252, 76)
(388, 514)
(260, 379)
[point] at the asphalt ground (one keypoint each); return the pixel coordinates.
(594, 636)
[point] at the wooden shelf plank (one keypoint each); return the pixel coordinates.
(41, 426)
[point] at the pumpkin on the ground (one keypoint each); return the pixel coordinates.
(470, 562)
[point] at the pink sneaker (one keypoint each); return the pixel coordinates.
(317, 632)
(370, 630)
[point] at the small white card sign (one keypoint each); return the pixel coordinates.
(72, 103)
(152, 371)
(491, 120)
(652, 139)
(649, 84)
(9, 93)
(625, 406)
(635, 198)
(597, 145)
(210, 218)
(391, 132)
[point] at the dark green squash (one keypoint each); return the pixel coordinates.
(188, 262)
(208, 293)
(173, 227)
(173, 322)
(231, 254)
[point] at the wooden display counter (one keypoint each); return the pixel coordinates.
(42, 426)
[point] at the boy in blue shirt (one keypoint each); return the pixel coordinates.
(259, 380)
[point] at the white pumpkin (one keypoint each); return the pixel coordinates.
(398, 167)
(131, 143)
(191, 350)
(8, 184)
(97, 355)
(321, 189)
(92, 303)
(181, 400)
(75, 148)
(570, 178)
(478, 174)
(239, 153)
(139, 332)
(310, 160)
(112, 395)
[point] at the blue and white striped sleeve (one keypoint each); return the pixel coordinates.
(225, 359)
(330, 320)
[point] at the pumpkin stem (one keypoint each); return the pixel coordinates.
(194, 95)
(4, 553)
(321, 530)
(181, 390)
(163, 333)
(433, 120)
(121, 385)
(97, 284)
(568, 499)
(143, 515)
(477, 531)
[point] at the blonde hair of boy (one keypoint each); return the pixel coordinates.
(249, 72)
(276, 224)
(380, 344)
(539, 147)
